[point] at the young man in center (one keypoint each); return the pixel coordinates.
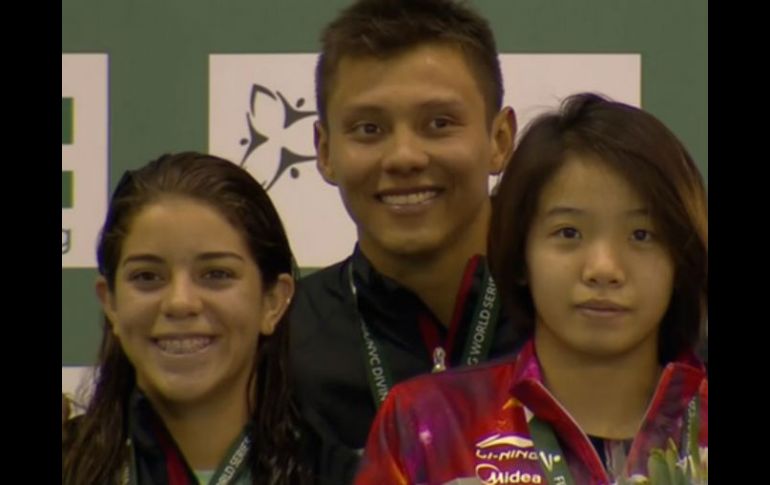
(411, 126)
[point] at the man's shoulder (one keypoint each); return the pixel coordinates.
(321, 304)
(324, 279)
(320, 290)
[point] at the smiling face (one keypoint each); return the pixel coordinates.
(188, 304)
(410, 145)
(600, 277)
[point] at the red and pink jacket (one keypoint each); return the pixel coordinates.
(470, 426)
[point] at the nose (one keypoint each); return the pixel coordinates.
(181, 298)
(405, 152)
(603, 266)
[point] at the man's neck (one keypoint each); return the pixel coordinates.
(435, 277)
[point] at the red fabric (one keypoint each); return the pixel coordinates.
(428, 326)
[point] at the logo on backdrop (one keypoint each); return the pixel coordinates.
(84, 181)
(287, 157)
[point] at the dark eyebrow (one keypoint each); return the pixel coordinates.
(642, 211)
(562, 210)
(442, 104)
(142, 258)
(151, 258)
(219, 255)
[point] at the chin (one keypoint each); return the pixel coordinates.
(410, 245)
(183, 392)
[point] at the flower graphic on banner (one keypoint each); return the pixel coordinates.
(261, 132)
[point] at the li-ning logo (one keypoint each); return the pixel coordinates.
(287, 159)
(511, 459)
(506, 447)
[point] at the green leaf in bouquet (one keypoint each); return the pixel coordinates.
(657, 467)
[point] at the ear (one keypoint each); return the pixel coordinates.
(321, 140)
(107, 300)
(503, 139)
(275, 302)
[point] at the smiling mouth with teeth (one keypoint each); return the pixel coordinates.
(409, 199)
(181, 346)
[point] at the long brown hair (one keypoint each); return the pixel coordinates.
(94, 450)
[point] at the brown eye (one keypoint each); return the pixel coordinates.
(569, 233)
(218, 274)
(439, 123)
(366, 129)
(145, 279)
(641, 235)
(144, 276)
